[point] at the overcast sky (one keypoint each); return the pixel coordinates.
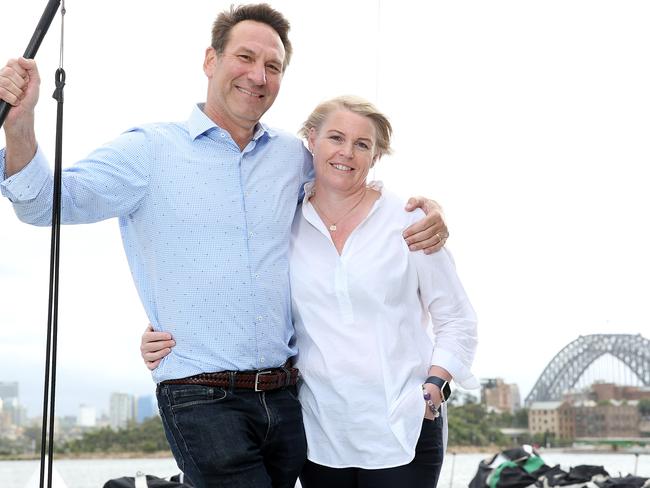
(528, 121)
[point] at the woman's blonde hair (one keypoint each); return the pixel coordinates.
(355, 105)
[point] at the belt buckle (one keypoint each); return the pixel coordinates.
(257, 377)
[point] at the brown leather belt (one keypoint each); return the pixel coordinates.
(265, 380)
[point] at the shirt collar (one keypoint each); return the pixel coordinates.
(199, 123)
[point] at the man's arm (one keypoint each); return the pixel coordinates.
(19, 87)
(429, 233)
(110, 182)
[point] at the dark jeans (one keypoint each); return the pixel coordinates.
(422, 472)
(234, 438)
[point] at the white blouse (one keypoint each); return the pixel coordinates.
(364, 342)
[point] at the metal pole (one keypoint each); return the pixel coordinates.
(41, 29)
(453, 463)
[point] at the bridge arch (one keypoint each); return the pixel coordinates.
(567, 366)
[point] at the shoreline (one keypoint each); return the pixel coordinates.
(93, 455)
(451, 450)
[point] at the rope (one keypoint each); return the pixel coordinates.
(49, 388)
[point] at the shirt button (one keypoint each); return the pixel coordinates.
(259, 318)
(250, 235)
(223, 134)
(262, 360)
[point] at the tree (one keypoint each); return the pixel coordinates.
(146, 437)
(471, 425)
(644, 407)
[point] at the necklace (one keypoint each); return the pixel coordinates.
(332, 226)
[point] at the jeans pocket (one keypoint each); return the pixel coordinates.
(293, 392)
(193, 395)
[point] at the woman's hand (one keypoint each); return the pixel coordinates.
(154, 346)
(430, 233)
(434, 396)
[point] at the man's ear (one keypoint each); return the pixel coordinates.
(209, 61)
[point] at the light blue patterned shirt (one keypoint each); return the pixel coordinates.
(206, 231)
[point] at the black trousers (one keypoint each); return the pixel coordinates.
(422, 472)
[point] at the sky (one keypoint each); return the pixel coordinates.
(528, 121)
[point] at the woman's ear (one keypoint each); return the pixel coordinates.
(311, 139)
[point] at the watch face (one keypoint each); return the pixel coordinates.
(446, 391)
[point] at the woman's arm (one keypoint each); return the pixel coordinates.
(453, 320)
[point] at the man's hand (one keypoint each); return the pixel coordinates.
(19, 87)
(430, 233)
(154, 346)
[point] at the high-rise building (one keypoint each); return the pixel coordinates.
(9, 403)
(121, 410)
(8, 391)
(147, 408)
(87, 416)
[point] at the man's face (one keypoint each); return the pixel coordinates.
(244, 80)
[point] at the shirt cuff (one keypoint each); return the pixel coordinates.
(28, 182)
(459, 372)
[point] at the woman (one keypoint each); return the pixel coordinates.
(374, 383)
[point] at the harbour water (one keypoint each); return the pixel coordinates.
(93, 473)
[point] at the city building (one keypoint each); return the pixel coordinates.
(607, 419)
(121, 410)
(611, 391)
(8, 390)
(555, 418)
(498, 396)
(87, 416)
(147, 408)
(11, 411)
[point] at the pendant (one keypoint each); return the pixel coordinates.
(332, 227)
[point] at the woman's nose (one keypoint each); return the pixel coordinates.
(347, 150)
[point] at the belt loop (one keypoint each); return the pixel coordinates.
(231, 380)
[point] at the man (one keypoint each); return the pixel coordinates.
(205, 210)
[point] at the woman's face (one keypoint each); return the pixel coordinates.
(344, 151)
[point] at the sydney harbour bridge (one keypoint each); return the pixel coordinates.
(566, 369)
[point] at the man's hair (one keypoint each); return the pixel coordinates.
(258, 12)
(355, 105)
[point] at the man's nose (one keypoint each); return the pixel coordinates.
(257, 74)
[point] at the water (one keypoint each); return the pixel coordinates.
(93, 473)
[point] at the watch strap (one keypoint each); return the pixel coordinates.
(443, 384)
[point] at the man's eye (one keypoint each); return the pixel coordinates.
(244, 57)
(273, 68)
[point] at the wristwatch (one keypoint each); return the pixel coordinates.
(445, 389)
